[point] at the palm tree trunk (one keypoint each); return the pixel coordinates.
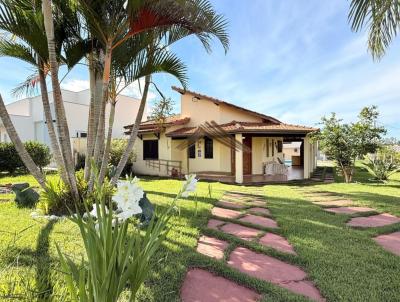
(99, 145)
(134, 132)
(91, 121)
(62, 125)
(50, 126)
(19, 146)
(106, 154)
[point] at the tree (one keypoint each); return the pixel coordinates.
(162, 109)
(128, 39)
(344, 143)
(382, 17)
(29, 44)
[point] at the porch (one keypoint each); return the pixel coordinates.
(294, 173)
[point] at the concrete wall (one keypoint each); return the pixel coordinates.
(30, 120)
(23, 125)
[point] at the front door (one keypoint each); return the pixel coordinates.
(247, 155)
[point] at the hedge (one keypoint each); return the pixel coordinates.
(11, 162)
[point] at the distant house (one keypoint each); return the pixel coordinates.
(28, 117)
(221, 141)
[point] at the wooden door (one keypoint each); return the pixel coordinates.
(247, 155)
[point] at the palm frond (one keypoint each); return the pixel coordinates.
(382, 17)
(19, 51)
(160, 62)
(28, 87)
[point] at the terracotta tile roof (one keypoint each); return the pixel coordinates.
(169, 121)
(245, 127)
(217, 101)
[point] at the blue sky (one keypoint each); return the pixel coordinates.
(295, 60)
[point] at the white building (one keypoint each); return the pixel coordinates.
(28, 117)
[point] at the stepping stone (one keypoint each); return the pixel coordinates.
(212, 247)
(277, 242)
(349, 210)
(260, 211)
(335, 203)
(203, 286)
(230, 204)
(273, 270)
(240, 231)
(258, 220)
(373, 221)
(225, 213)
(258, 203)
(390, 242)
(321, 194)
(214, 223)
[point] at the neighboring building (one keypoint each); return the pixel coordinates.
(292, 153)
(28, 117)
(185, 144)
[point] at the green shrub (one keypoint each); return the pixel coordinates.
(118, 147)
(381, 167)
(11, 162)
(39, 152)
(58, 199)
(9, 158)
(80, 162)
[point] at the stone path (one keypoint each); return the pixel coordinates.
(231, 213)
(390, 242)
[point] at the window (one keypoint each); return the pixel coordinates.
(192, 151)
(280, 146)
(150, 149)
(267, 144)
(208, 148)
(81, 134)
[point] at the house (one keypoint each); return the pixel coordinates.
(28, 117)
(221, 141)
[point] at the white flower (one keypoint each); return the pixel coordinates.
(189, 185)
(128, 196)
(124, 215)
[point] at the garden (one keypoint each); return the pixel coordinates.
(360, 271)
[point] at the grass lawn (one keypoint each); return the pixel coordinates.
(344, 263)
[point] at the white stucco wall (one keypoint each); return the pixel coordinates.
(76, 105)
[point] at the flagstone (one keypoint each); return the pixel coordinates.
(212, 247)
(333, 203)
(259, 210)
(273, 270)
(214, 223)
(258, 220)
(225, 213)
(374, 220)
(203, 286)
(349, 210)
(230, 204)
(258, 203)
(240, 231)
(390, 242)
(277, 242)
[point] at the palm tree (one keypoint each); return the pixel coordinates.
(382, 17)
(113, 23)
(28, 43)
(144, 65)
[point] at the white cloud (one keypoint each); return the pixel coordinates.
(75, 85)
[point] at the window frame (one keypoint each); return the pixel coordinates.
(208, 148)
(148, 141)
(192, 151)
